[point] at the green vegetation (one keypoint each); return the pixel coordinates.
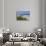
(21, 18)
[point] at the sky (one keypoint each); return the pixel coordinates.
(23, 13)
